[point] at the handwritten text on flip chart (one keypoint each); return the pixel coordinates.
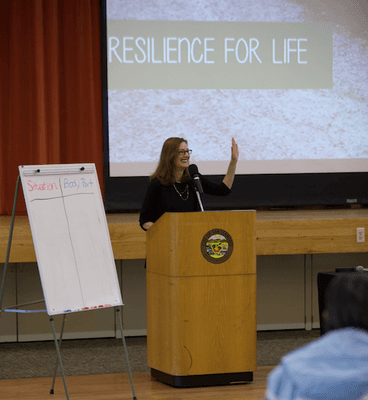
(43, 188)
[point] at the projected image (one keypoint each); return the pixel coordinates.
(287, 79)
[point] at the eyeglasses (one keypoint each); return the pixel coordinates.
(182, 152)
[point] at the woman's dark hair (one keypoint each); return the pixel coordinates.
(165, 171)
(346, 301)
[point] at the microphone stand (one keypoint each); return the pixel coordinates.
(199, 198)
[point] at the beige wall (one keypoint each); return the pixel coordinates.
(287, 298)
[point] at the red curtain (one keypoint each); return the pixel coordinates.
(51, 94)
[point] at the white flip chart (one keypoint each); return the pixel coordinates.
(71, 237)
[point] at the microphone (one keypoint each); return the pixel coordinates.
(193, 171)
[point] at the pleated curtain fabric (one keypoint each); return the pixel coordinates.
(51, 91)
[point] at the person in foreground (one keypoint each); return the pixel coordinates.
(334, 366)
(171, 188)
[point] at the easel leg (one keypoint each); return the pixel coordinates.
(126, 352)
(56, 363)
(9, 240)
(59, 356)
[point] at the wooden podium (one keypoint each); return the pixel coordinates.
(201, 298)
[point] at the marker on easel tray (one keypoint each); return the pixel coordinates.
(107, 305)
(67, 311)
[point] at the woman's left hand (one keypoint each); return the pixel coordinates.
(229, 177)
(234, 151)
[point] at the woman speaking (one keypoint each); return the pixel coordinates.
(171, 188)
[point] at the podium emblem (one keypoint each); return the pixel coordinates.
(217, 246)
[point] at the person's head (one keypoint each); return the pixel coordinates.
(346, 302)
(174, 157)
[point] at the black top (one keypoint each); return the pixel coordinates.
(160, 199)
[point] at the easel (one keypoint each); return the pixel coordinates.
(15, 308)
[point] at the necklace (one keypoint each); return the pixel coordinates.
(181, 194)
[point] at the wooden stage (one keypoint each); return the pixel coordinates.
(277, 232)
(117, 387)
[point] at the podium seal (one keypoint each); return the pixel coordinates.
(217, 246)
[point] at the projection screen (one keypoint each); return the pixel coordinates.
(286, 79)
